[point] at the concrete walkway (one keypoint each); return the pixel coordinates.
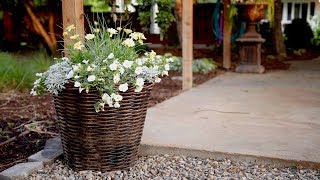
(274, 115)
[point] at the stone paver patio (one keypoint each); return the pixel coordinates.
(274, 115)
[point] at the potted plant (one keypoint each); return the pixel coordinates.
(101, 91)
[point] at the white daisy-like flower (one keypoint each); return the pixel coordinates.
(138, 70)
(128, 31)
(76, 77)
(116, 78)
(139, 82)
(119, 28)
(33, 92)
(91, 78)
(157, 80)
(112, 31)
(89, 36)
(96, 30)
(75, 68)
(111, 56)
(78, 45)
(116, 105)
(123, 87)
(77, 84)
(127, 64)
(152, 54)
(121, 69)
(128, 42)
(70, 28)
(76, 36)
(38, 74)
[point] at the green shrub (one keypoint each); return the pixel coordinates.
(17, 72)
(203, 65)
(315, 26)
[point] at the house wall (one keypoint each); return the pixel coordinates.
(297, 8)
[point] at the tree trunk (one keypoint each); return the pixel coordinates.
(278, 41)
(178, 14)
(50, 41)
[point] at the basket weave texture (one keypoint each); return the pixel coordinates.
(104, 141)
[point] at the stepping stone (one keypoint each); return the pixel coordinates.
(47, 156)
(53, 143)
(20, 171)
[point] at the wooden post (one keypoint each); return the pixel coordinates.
(226, 36)
(187, 43)
(72, 12)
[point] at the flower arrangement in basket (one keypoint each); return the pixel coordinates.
(101, 91)
(107, 61)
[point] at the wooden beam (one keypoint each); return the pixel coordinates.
(226, 36)
(72, 12)
(187, 43)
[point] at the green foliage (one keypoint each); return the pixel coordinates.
(164, 18)
(17, 73)
(315, 26)
(203, 65)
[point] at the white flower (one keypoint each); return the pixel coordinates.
(116, 78)
(105, 97)
(39, 74)
(102, 106)
(127, 64)
(128, 42)
(87, 90)
(78, 45)
(80, 89)
(155, 67)
(89, 36)
(76, 77)
(96, 30)
(71, 27)
(123, 87)
(76, 36)
(89, 68)
(111, 56)
(128, 31)
(77, 84)
(167, 67)
(157, 80)
(137, 36)
(152, 54)
(116, 105)
(139, 82)
(139, 62)
(170, 59)
(85, 61)
(70, 74)
(165, 73)
(121, 70)
(37, 81)
(138, 89)
(33, 92)
(113, 66)
(119, 28)
(138, 70)
(112, 31)
(117, 97)
(75, 68)
(91, 78)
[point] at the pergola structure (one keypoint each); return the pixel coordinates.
(72, 11)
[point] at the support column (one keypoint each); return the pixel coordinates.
(226, 36)
(72, 12)
(187, 43)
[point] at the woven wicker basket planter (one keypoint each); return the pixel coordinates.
(103, 141)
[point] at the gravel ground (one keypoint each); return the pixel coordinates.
(180, 167)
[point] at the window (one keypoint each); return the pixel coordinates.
(304, 11)
(289, 10)
(297, 10)
(312, 8)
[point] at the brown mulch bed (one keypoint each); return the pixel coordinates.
(17, 110)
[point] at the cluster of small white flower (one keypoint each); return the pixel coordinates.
(110, 73)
